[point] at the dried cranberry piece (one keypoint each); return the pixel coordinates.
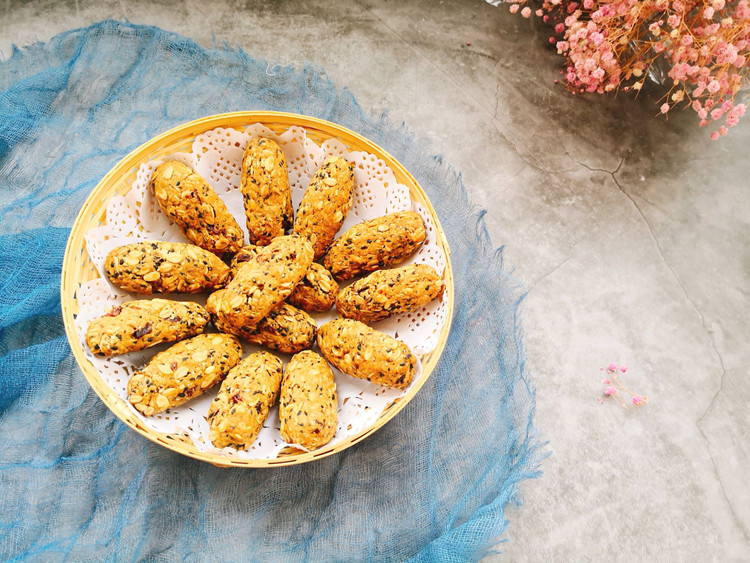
(142, 331)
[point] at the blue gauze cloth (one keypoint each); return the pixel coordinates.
(76, 483)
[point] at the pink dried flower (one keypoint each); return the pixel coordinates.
(616, 389)
(712, 29)
(609, 45)
(637, 401)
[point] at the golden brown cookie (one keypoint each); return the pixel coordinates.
(360, 351)
(389, 292)
(326, 202)
(240, 409)
(183, 371)
(375, 244)
(136, 325)
(285, 329)
(308, 404)
(196, 208)
(316, 292)
(265, 190)
(165, 267)
(262, 283)
(245, 254)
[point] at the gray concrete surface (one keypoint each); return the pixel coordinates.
(630, 231)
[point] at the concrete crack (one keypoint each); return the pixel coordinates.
(736, 518)
(711, 341)
(536, 165)
(497, 97)
(527, 156)
(671, 270)
(612, 173)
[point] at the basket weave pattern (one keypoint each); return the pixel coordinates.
(78, 268)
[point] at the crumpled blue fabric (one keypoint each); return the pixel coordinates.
(433, 484)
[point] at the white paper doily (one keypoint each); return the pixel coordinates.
(217, 155)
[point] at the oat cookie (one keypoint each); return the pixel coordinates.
(196, 208)
(265, 190)
(285, 329)
(308, 404)
(262, 283)
(165, 267)
(245, 254)
(316, 292)
(136, 325)
(389, 292)
(183, 371)
(326, 202)
(238, 412)
(360, 351)
(375, 244)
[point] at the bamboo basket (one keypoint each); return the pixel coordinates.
(77, 268)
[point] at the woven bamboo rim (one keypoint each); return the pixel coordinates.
(77, 267)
